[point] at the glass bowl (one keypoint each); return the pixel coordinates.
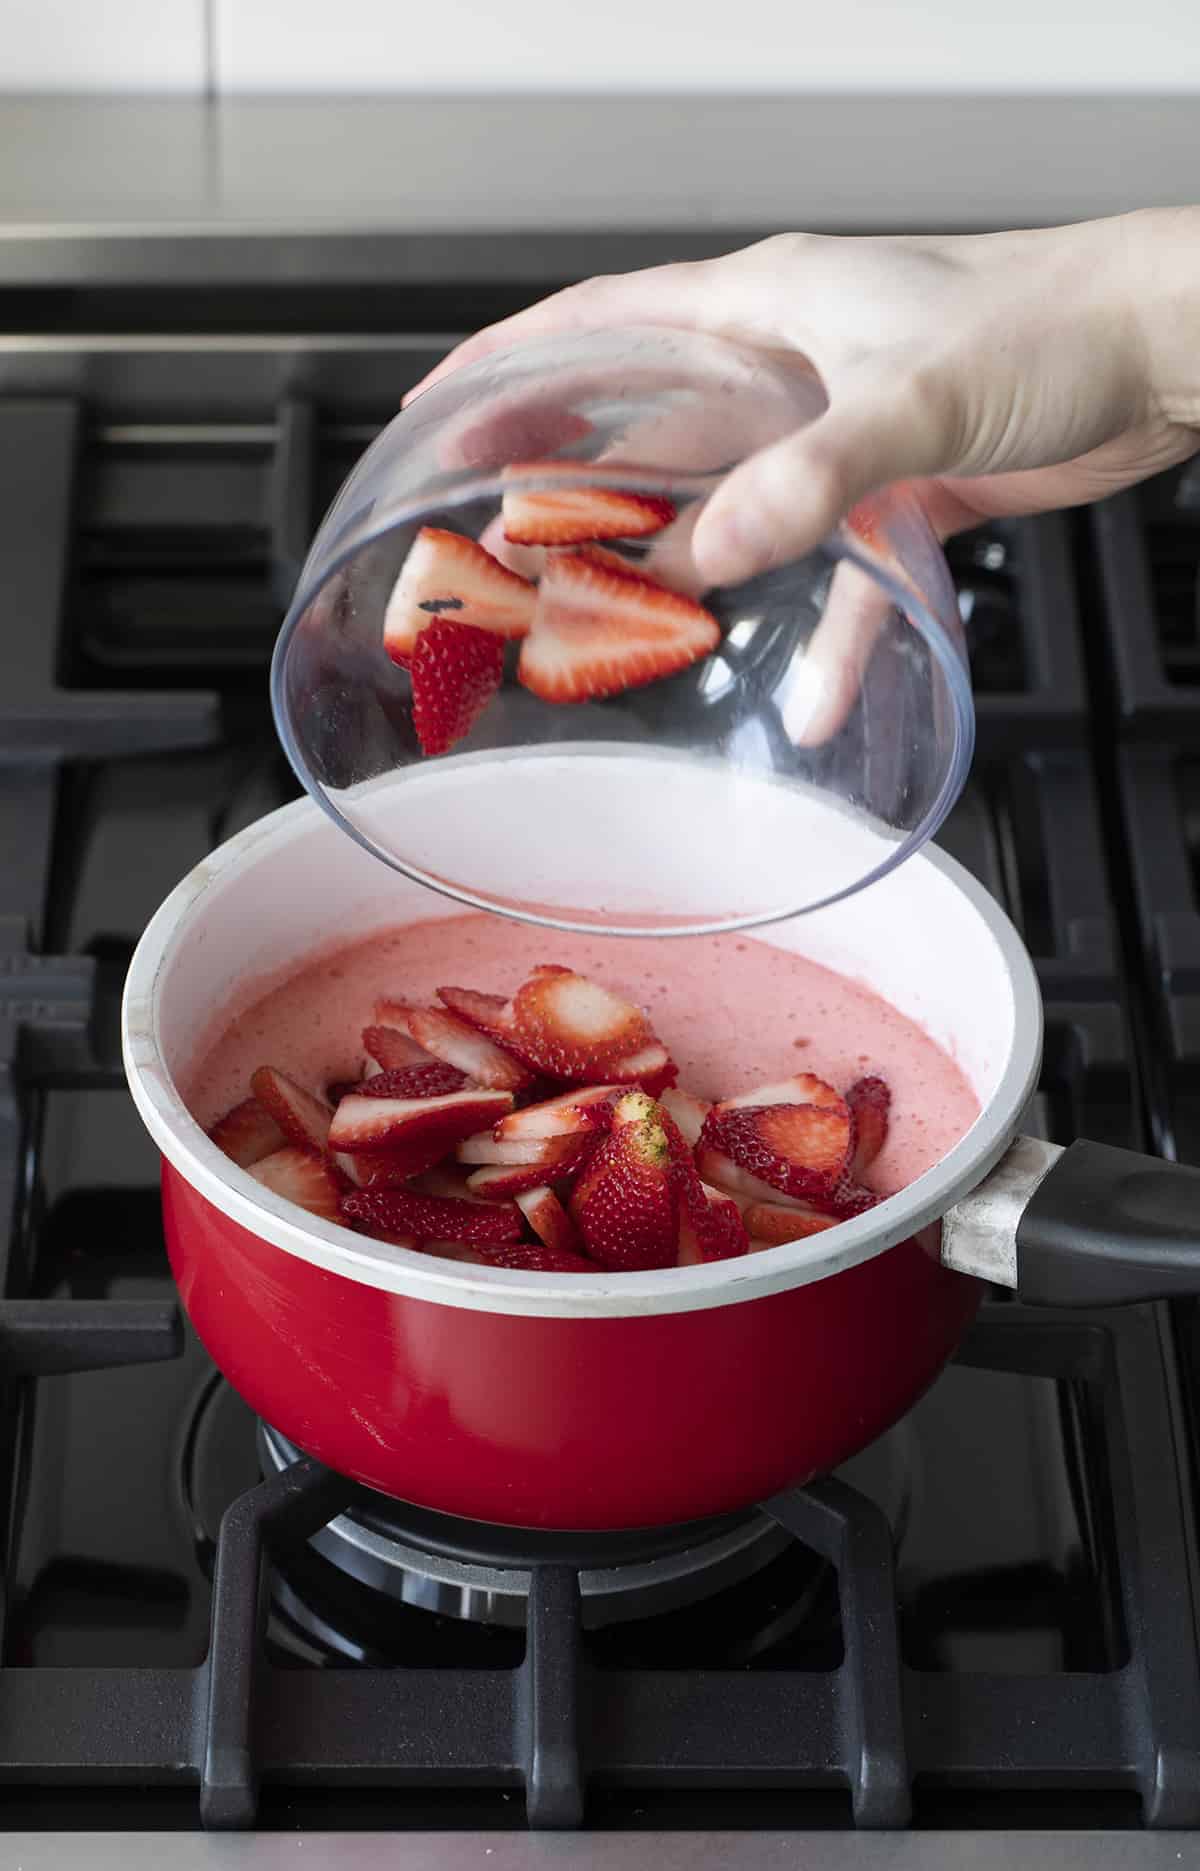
(819, 737)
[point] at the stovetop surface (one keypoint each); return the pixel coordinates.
(1038, 1625)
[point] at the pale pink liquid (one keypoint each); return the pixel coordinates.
(734, 1013)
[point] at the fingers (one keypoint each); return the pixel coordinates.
(823, 682)
(784, 500)
(659, 295)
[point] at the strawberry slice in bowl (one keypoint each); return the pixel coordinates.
(445, 1036)
(300, 1177)
(795, 1136)
(870, 1102)
(600, 628)
(431, 1080)
(687, 1113)
(247, 1133)
(434, 1217)
(456, 669)
(535, 1257)
(572, 1114)
(494, 1181)
(625, 1204)
(447, 576)
(391, 1049)
(550, 1220)
(565, 516)
(484, 1150)
(303, 1118)
(572, 1028)
(362, 1123)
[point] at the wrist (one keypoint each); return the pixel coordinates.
(1162, 279)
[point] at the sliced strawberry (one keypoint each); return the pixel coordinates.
(571, 1114)
(689, 1113)
(458, 1043)
(550, 1220)
(652, 1068)
(870, 1101)
(625, 1203)
(440, 1250)
(365, 1123)
(600, 627)
(432, 1080)
(796, 1135)
(494, 1181)
(302, 1178)
(725, 1175)
(303, 1119)
(774, 1225)
(515, 1153)
(446, 575)
(247, 1133)
(393, 1168)
(715, 1231)
(392, 1049)
(489, 1014)
(571, 1027)
(339, 1088)
(536, 1257)
(710, 1225)
(567, 516)
(434, 1217)
(456, 670)
(804, 1088)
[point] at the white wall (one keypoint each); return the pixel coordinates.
(647, 45)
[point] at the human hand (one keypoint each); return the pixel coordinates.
(999, 373)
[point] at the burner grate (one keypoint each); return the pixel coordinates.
(1148, 549)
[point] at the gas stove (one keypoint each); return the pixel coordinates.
(979, 1639)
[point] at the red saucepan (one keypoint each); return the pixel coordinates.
(620, 1401)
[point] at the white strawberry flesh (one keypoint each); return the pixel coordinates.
(568, 1115)
(446, 575)
(365, 1123)
(446, 1037)
(599, 628)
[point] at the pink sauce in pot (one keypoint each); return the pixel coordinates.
(734, 1012)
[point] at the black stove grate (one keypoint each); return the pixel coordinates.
(151, 529)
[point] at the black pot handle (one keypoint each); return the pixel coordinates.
(1085, 1226)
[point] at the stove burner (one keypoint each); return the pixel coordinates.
(467, 1569)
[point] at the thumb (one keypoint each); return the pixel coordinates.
(783, 501)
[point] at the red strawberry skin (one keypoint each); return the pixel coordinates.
(535, 1257)
(625, 1204)
(800, 1149)
(870, 1103)
(456, 669)
(391, 1049)
(600, 628)
(434, 1080)
(434, 1217)
(708, 1229)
